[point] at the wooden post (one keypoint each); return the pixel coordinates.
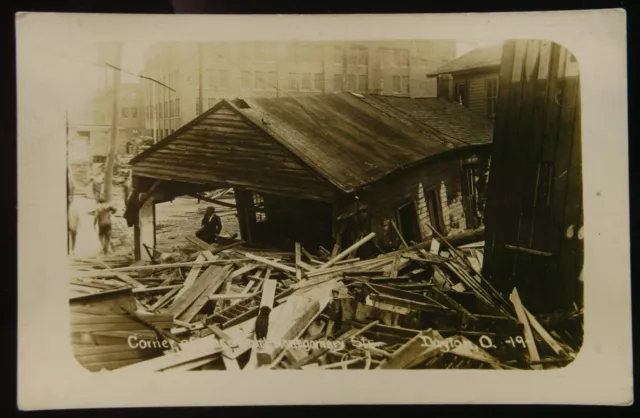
(200, 79)
(114, 123)
(147, 227)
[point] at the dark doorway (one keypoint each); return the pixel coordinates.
(408, 222)
(434, 207)
(280, 222)
(461, 94)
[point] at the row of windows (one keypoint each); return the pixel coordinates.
(159, 133)
(268, 80)
(352, 56)
(167, 109)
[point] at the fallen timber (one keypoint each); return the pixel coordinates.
(240, 310)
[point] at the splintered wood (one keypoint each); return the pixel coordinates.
(232, 308)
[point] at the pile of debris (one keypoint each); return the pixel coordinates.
(235, 309)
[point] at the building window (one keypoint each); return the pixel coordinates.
(171, 108)
(224, 79)
(401, 58)
(166, 109)
(245, 80)
(318, 82)
(363, 83)
(125, 112)
(197, 105)
(460, 92)
(293, 81)
(469, 197)
(134, 112)
(272, 80)
(260, 82)
(492, 96)
(434, 208)
(160, 111)
(258, 205)
(338, 55)
(305, 82)
(400, 84)
(211, 102)
(397, 84)
(352, 82)
(178, 107)
(357, 56)
(338, 84)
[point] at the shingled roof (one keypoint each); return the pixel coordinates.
(477, 59)
(349, 140)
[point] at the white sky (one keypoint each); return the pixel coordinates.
(77, 65)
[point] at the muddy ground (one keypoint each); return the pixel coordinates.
(174, 221)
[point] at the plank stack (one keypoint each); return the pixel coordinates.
(229, 307)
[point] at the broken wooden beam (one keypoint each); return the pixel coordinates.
(266, 305)
(271, 263)
(528, 335)
(347, 251)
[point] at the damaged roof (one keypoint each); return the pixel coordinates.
(455, 122)
(477, 59)
(350, 139)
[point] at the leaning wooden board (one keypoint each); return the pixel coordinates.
(110, 341)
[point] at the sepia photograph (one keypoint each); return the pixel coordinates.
(345, 204)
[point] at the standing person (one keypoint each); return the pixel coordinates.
(211, 226)
(97, 181)
(102, 219)
(73, 220)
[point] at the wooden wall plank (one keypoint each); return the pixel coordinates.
(495, 188)
(535, 185)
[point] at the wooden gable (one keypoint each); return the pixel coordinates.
(222, 148)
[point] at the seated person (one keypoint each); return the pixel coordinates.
(211, 226)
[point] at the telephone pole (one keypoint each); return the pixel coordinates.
(200, 80)
(108, 179)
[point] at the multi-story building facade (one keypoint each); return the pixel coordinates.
(131, 117)
(194, 76)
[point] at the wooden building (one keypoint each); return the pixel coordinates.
(534, 236)
(472, 80)
(324, 169)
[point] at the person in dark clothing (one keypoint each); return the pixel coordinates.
(211, 226)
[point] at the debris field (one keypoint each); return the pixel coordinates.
(230, 307)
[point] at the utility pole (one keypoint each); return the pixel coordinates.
(200, 79)
(108, 179)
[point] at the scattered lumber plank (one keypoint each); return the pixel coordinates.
(528, 335)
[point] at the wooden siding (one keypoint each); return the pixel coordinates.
(444, 176)
(476, 89)
(224, 150)
(535, 187)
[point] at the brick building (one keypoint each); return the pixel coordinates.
(202, 74)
